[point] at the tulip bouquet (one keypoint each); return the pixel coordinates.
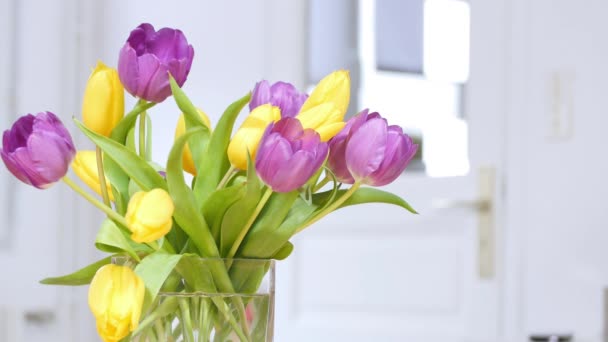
(292, 161)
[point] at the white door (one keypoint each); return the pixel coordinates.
(377, 273)
(42, 233)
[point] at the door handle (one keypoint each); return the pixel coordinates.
(484, 206)
(480, 204)
(39, 317)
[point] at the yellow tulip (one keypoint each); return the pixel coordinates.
(326, 106)
(85, 167)
(180, 129)
(149, 215)
(103, 105)
(249, 134)
(325, 118)
(116, 297)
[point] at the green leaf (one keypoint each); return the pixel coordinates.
(196, 273)
(198, 142)
(111, 239)
(120, 183)
(154, 269)
(236, 217)
(186, 212)
(119, 133)
(168, 306)
(136, 168)
(216, 163)
(372, 195)
(284, 252)
(265, 245)
(118, 178)
(216, 205)
(274, 213)
(81, 277)
(247, 275)
(185, 105)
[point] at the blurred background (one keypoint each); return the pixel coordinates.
(506, 97)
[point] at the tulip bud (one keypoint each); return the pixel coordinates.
(116, 297)
(147, 59)
(324, 110)
(38, 149)
(85, 167)
(103, 105)
(281, 94)
(369, 151)
(289, 155)
(149, 215)
(180, 129)
(249, 134)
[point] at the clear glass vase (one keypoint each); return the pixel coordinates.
(213, 300)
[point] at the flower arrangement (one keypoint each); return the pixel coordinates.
(291, 162)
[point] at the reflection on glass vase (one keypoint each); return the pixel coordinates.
(197, 304)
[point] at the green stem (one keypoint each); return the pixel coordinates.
(142, 135)
(227, 177)
(141, 106)
(186, 319)
(102, 177)
(160, 330)
(107, 210)
(245, 230)
(331, 207)
(321, 184)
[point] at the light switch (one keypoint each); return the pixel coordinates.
(560, 123)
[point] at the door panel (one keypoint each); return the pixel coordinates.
(376, 273)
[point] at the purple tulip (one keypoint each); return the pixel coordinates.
(289, 155)
(149, 56)
(281, 94)
(370, 151)
(38, 149)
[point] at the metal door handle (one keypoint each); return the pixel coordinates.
(480, 204)
(39, 317)
(484, 206)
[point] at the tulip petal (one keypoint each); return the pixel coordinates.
(15, 168)
(260, 95)
(329, 131)
(48, 156)
(128, 69)
(400, 151)
(286, 96)
(272, 155)
(300, 164)
(365, 148)
(336, 161)
(17, 135)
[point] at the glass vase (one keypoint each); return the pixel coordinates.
(212, 300)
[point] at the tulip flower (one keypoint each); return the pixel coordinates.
(85, 167)
(289, 155)
(103, 105)
(249, 134)
(38, 149)
(149, 56)
(324, 110)
(281, 94)
(149, 215)
(180, 129)
(116, 297)
(369, 151)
